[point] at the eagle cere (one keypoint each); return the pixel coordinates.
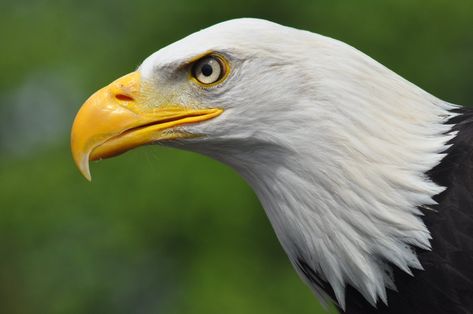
(356, 168)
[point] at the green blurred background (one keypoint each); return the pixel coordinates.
(161, 230)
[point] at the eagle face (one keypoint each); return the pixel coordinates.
(221, 91)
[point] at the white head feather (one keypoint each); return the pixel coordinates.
(335, 145)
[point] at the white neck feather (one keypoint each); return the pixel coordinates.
(348, 204)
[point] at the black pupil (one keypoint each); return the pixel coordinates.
(207, 69)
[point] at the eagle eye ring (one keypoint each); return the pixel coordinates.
(209, 70)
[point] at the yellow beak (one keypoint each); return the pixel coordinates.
(122, 116)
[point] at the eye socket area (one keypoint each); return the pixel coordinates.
(209, 70)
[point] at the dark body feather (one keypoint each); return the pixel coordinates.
(446, 284)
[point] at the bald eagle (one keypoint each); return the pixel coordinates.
(365, 177)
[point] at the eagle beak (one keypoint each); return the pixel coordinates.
(125, 115)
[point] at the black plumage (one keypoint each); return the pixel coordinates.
(446, 283)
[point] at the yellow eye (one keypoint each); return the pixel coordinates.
(208, 70)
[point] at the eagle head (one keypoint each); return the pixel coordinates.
(335, 145)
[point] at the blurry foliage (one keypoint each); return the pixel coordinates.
(160, 230)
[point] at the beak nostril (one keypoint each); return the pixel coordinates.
(123, 97)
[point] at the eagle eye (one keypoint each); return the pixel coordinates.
(209, 70)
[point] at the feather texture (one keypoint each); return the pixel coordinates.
(446, 283)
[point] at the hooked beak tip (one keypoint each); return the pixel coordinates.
(83, 164)
(86, 173)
